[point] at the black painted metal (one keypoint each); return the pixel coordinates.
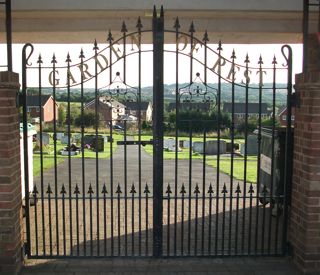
(158, 42)
(8, 28)
(205, 209)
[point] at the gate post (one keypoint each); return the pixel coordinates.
(305, 212)
(158, 41)
(10, 176)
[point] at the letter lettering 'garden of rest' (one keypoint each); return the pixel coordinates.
(261, 72)
(246, 74)
(222, 63)
(56, 80)
(232, 73)
(87, 69)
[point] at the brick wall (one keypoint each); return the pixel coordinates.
(10, 186)
(305, 212)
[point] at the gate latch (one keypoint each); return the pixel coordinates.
(295, 100)
(135, 142)
(19, 100)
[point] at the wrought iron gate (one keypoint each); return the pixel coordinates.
(101, 187)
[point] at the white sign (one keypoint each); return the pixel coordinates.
(265, 163)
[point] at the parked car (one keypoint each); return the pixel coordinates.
(117, 127)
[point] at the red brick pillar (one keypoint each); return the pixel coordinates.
(305, 211)
(10, 178)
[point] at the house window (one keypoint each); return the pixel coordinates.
(28, 109)
(284, 117)
(292, 117)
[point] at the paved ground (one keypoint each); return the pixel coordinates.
(218, 266)
(127, 172)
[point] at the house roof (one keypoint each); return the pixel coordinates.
(106, 101)
(33, 100)
(135, 105)
(240, 108)
(281, 109)
(190, 105)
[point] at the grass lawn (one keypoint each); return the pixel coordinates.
(48, 160)
(238, 168)
(225, 161)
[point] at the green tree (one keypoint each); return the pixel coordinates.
(269, 122)
(250, 126)
(87, 119)
(61, 114)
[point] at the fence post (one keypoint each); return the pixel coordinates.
(10, 176)
(305, 217)
(158, 41)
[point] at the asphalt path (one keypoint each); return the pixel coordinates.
(125, 170)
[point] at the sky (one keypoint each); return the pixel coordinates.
(267, 51)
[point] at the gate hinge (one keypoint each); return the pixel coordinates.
(19, 99)
(25, 249)
(295, 100)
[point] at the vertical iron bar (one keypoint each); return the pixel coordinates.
(146, 191)
(49, 192)
(288, 154)
(125, 150)
(183, 191)
(168, 220)
(54, 61)
(233, 57)
(63, 192)
(110, 39)
(9, 34)
(25, 144)
(133, 191)
(111, 185)
(104, 192)
(245, 157)
(158, 42)
(83, 159)
(259, 153)
(119, 220)
(190, 148)
(203, 187)
(139, 131)
(272, 184)
(96, 121)
(190, 186)
(210, 191)
(125, 190)
(277, 226)
(205, 39)
(90, 191)
(263, 219)
(238, 191)
(197, 191)
(224, 192)
(218, 154)
(76, 191)
(35, 192)
(250, 218)
(68, 60)
(305, 34)
(177, 26)
(41, 155)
